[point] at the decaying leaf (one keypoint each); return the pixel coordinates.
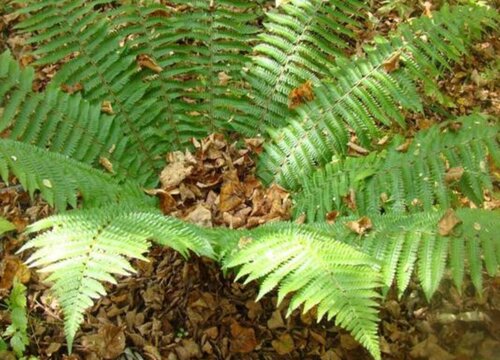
(71, 89)
(231, 194)
(300, 95)
(242, 339)
(448, 222)
(106, 164)
(200, 216)
(331, 216)
(10, 268)
(360, 226)
(223, 78)
(180, 166)
(106, 107)
(392, 63)
(454, 174)
(146, 61)
(427, 9)
(284, 344)
(108, 343)
(404, 146)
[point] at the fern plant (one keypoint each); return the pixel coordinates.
(139, 81)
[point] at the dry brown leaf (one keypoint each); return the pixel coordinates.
(429, 349)
(357, 148)
(242, 339)
(223, 78)
(11, 267)
(146, 61)
(360, 226)
(231, 193)
(179, 167)
(189, 349)
(331, 216)
(275, 321)
(71, 89)
(350, 200)
(428, 9)
(106, 107)
(348, 342)
(104, 161)
(200, 216)
(301, 95)
(108, 343)
(284, 344)
(404, 146)
(454, 174)
(254, 309)
(448, 222)
(392, 63)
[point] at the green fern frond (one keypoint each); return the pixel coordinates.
(106, 71)
(319, 271)
(405, 244)
(201, 46)
(368, 92)
(86, 248)
(60, 179)
(53, 120)
(393, 181)
(301, 40)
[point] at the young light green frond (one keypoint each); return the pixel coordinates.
(319, 270)
(60, 179)
(300, 42)
(368, 92)
(437, 164)
(86, 248)
(5, 226)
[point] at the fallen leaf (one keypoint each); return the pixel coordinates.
(10, 268)
(108, 343)
(284, 344)
(360, 226)
(146, 61)
(331, 216)
(106, 107)
(404, 146)
(189, 349)
(427, 9)
(429, 349)
(448, 222)
(242, 339)
(348, 342)
(357, 148)
(223, 78)
(200, 216)
(179, 167)
(392, 63)
(71, 89)
(300, 95)
(106, 164)
(454, 174)
(275, 321)
(231, 193)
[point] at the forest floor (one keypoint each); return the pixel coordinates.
(177, 309)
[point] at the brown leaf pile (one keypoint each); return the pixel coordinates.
(216, 185)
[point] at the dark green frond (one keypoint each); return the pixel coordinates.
(53, 120)
(366, 94)
(106, 71)
(319, 271)
(86, 248)
(201, 47)
(392, 181)
(60, 179)
(300, 42)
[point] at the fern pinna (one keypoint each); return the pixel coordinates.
(146, 78)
